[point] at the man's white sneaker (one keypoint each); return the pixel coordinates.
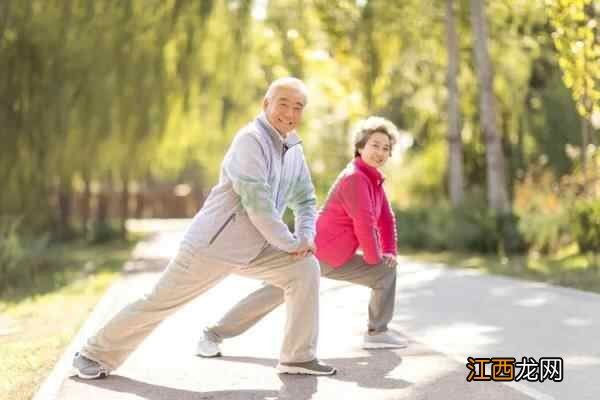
(85, 368)
(384, 340)
(207, 347)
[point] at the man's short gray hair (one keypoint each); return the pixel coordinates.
(287, 82)
(366, 127)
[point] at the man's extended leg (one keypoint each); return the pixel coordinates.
(185, 278)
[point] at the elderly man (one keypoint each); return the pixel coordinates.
(263, 172)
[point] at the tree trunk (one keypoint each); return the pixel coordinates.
(86, 206)
(101, 225)
(124, 206)
(102, 207)
(4, 14)
(139, 204)
(496, 179)
(585, 141)
(510, 156)
(370, 54)
(65, 208)
(455, 153)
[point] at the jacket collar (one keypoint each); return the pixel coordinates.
(373, 173)
(292, 138)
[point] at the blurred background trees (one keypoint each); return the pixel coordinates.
(118, 109)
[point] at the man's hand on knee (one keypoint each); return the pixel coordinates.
(301, 254)
(306, 248)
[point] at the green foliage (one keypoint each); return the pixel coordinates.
(11, 248)
(471, 227)
(20, 256)
(103, 91)
(554, 123)
(546, 232)
(575, 36)
(420, 177)
(586, 225)
(24, 257)
(442, 228)
(103, 232)
(511, 237)
(101, 88)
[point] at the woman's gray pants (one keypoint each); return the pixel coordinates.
(380, 278)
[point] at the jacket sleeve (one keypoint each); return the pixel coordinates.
(303, 203)
(387, 227)
(354, 191)
(246, 166)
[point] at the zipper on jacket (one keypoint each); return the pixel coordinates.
(216, 235)
(283, 151)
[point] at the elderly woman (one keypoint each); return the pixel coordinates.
(356, 215)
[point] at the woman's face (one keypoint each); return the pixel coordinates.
(377, 150)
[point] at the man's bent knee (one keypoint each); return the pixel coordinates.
(307, 269)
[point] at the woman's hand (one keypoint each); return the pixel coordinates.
(389, 260)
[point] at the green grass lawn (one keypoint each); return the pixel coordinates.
(41, 317)
(568, 268)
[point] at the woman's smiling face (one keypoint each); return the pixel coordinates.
(377, 150)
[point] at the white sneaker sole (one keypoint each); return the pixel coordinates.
(208, 355)
(289, 369)
(81, 375)
(375, 346)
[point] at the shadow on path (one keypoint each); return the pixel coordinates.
(149, 391)
(368, 371)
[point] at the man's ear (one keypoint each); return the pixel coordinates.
(265, 104)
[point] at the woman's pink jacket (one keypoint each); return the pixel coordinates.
(357, 214)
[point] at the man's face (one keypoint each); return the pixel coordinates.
(284, 109)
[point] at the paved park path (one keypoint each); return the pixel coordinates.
(447, 314)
